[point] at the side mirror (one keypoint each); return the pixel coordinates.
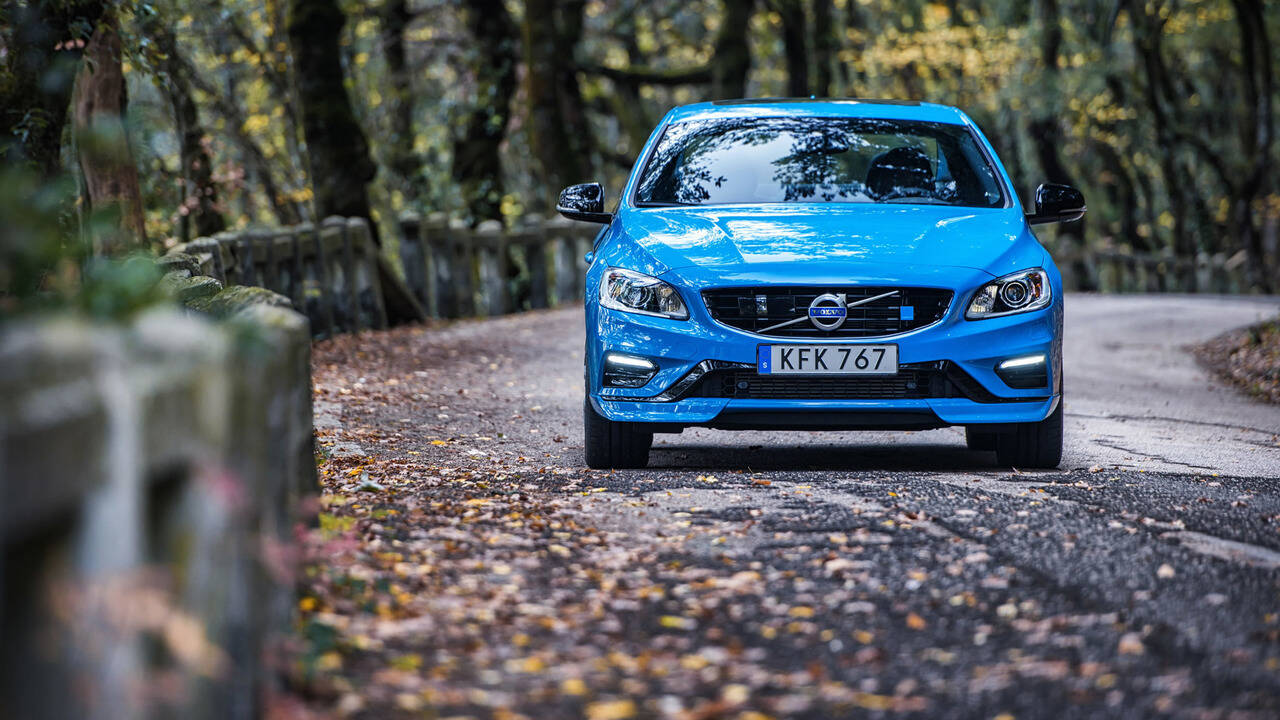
(1057, 203)
(583, 202)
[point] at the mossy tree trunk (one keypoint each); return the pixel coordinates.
(403, 160)
(113, 191)
(826, 46)
(477, 152)
(199, 213)
(795, 46)
(558, 131)
(732, 59)
(341, 167)
(1047, 137)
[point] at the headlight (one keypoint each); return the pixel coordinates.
(1020, 292)
(639, 293)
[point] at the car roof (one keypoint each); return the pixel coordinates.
(820, 107)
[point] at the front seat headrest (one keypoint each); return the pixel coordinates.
(902, 171)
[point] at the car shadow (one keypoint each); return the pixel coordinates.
(826, 456)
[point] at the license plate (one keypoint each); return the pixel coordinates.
(827, 360)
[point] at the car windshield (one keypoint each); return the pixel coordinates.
(817, 159)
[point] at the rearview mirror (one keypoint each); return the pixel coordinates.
(583, 202)
(1057, 203)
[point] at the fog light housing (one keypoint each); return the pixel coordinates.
(627, 371)
(1024, 373)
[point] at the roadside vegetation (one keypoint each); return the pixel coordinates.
(199, 117)
(1248, 359)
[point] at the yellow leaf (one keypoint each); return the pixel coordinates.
(412, 661)
(307, 604)
(915, 622)
(573, 686)
(801, 611)
(677, 622)
(329, 661)
(611, 710)
(560, 550)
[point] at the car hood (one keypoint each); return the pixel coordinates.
(829, 242)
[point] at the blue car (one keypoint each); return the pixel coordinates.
(822, 264)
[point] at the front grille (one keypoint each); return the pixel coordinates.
(914, 381)
(755, 309)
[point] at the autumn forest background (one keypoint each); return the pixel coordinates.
(233, 113)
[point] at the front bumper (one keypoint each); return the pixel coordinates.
(679, 346)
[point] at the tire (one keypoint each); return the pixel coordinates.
(980, 440)
(1032, 445)
(608, 444)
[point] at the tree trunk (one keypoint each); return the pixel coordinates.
(626, 104)
(43, 58)
(1258, 135)
(826, 45)
(795, 46)
(110, 175)
(1046, 134)
(732, 59)
(558, 132)
(341, 167)
(403, 160)
(199, 214)
(477, 157)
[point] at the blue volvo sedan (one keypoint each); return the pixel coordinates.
(822, 265)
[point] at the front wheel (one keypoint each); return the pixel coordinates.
(609, 444)
(1032, 445)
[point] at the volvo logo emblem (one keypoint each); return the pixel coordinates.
(827, 312)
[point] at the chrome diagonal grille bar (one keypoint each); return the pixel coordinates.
(853, 304)
(870, 311)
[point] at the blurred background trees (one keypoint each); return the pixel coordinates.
(278, 111)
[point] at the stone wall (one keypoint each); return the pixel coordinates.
(327, 272)
(455, 271)
(153, 476)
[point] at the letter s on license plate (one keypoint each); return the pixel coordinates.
(827, 360)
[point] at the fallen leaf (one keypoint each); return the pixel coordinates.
(1131, 644)
(611, 710)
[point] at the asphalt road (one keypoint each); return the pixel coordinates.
(839, 574)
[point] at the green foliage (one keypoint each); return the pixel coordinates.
(34, 254)
(1162, 158)
(116, 288)
(44, 265)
